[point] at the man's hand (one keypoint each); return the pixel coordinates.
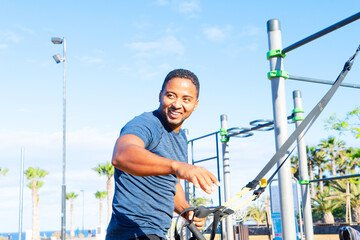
(199, 176)
(198, 222)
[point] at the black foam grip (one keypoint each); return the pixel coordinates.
(196, 233)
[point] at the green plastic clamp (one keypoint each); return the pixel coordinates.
(304, 182)
(223, 132)
(298, 117)
(298, 110)
(275, 53)
(225, 139)
(278, 73)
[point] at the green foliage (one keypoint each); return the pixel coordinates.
(34, 175)
(71, 196)
(339, 212)
(105, 169)
(257, 212)
(100, 194)
(3, 171)
(350, 123)
(323, 203)
(200, 201)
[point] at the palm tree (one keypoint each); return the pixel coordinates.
(310, 152)
(294, 166)
(331, 147)
(200, 201)
(341, 193)
(3, 171)
(71, 196)
(355, 199)
(257, 212)
(34, 175)
(323, 203)
(107, 170)
(320, 161)
(100, 195)
(346, 161)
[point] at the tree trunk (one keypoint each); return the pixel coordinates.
(348, 206)
(109, 200)
(72, 232)
(35, 212)
(356, 212)
(312, 185)
(101, 220)
(333, 166)
(321, 185)
(328, 217)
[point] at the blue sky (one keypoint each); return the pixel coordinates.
(118, 53)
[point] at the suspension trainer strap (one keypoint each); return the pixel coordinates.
(309, 120)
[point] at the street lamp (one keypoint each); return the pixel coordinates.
(83, 204)
(59, 59)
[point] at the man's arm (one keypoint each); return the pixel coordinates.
(131, 156)
(181, 204)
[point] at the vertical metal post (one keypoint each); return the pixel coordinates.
(21, 198)
(281, 132)
(187, 186)
(305, 191)
(63, 203)
(83, 210)
(226, 166)
(186, 183)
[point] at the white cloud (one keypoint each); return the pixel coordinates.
(190, 8)
(163, 46)
(25, 29)
(217, 34)
(252, 47)
(87, 60)
(161, 2)
(10, 37)
(7, 37)
(85, 149)
(251, 30)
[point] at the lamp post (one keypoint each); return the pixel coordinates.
(59, 59)
(83, 205)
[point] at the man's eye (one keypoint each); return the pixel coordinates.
(170, 96)
(187, 100)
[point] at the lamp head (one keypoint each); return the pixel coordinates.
(57, 58)
(57, 40)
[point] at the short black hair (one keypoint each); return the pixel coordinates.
(182, 73)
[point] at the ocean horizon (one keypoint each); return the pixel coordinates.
(47, 234)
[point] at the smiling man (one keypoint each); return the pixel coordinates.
(150, 156)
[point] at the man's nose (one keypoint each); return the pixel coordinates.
(177, 103)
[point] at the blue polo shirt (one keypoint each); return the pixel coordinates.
(145, 205)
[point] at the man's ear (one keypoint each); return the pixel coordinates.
(160, 96)
(196, 104)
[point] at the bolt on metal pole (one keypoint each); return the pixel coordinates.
(305, 191)
(281, 133)
(226, 167)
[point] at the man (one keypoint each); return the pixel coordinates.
(149, 157)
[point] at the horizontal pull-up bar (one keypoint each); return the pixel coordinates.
(305, 79)
(322, 32)
(305, 182)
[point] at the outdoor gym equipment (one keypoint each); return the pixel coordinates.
(277, 75)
